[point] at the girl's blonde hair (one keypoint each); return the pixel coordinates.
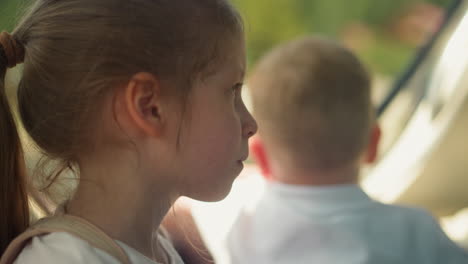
(75, 52)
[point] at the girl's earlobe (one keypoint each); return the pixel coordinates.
(143, 102)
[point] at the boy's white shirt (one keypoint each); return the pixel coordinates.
(60, 247)
(336, 224)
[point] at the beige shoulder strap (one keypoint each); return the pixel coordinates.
(70, 224)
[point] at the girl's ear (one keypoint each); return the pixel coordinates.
(143, 103)
(373, 145)
(258, 150)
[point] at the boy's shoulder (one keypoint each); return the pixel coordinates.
(416, 217)
(420, 225)
(405, 210)
(426, 233)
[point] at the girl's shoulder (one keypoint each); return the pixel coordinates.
(61, 247)
(166, 243)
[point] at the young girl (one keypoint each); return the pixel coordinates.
(142, 99)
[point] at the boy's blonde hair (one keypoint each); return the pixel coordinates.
(311, 98)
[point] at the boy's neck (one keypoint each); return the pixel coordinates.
(296, 176)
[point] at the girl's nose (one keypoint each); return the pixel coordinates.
(249, 125)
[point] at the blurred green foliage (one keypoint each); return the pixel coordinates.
(270, 22)
(10, 11)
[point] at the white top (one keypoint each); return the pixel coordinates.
(336, 224)
(60, 247)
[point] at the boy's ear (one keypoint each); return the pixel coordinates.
(373, 145)
(143, 102)
(258, 150)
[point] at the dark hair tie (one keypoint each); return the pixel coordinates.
(14, 50)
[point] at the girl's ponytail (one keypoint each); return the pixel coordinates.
(14, 210)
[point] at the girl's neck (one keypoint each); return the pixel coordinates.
(115, 197)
